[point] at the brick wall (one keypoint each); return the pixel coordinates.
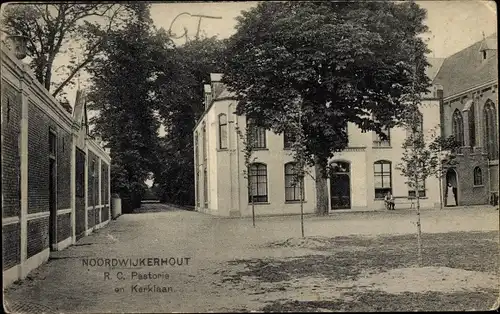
(91, 217)
(11, 120)
(11, 245)
(63, 169)
(80, 218)
(104, 191)
(38, 160)
(468, 194)
(64, 229)
(80, 192)
(38, 235)
(105, 213)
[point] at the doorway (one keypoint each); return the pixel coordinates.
(340, 185)
(52, 205)
(451, 192)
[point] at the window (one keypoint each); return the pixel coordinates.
(80, 173)
(292, 186)
(490, 130)
(421, 190)
(287, 140)
(478, 176)
(204, 140)
(383, 178)
(472, 126)
(52, 144)
(419, 125)
(222, 131)
(377, 140)
(257, 177)
(257, 135)
(205, 186)
(458, 127)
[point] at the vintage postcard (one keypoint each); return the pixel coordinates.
(316, 156)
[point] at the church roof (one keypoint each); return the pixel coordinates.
(466, 69)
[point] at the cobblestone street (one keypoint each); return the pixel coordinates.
(66, 284)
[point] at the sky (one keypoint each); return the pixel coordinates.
(453, 25)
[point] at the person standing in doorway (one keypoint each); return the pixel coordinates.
(451, 199)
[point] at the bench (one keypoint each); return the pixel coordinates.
(401, 200)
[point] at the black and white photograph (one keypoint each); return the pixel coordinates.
(249, 156)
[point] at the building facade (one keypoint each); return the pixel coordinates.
(470, 113)
(55, 178)
(361, 174)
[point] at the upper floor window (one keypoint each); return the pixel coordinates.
(292, 186)
(490, 130)
(52, 144)
(419, 125)
(222, 131)
(383, 178)
(287, 140)
(379, 142)
(257, 135)
(472, 124)
(204, 141)
(478, 176)
(257, 178)
(458, 127)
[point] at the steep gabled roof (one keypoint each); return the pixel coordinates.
(433, 69)
(466, 69)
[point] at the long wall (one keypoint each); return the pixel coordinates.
(44, 159)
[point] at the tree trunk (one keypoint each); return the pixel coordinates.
(440, 192)
(321, 190)
(419, 228)
(302, 206)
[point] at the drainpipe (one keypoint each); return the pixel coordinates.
(238, 199)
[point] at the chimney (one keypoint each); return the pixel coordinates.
(217, 86)
(438, 91)
(65, 104)
(208, 94)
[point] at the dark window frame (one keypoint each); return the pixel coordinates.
(478, 176)
(258, 135)
(458, 126)
(258, 171)
(223, 142)
(378, 142)
(291, 183)
(380, 192)
(490, 130)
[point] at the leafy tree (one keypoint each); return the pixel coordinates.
(347, 62)
(125, 94)
(52, 29)
(181, 103)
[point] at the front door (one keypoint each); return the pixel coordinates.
(340, 186)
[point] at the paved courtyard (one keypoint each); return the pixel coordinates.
(202, 263)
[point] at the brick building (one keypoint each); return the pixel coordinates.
(55, 178)
(470, 113)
